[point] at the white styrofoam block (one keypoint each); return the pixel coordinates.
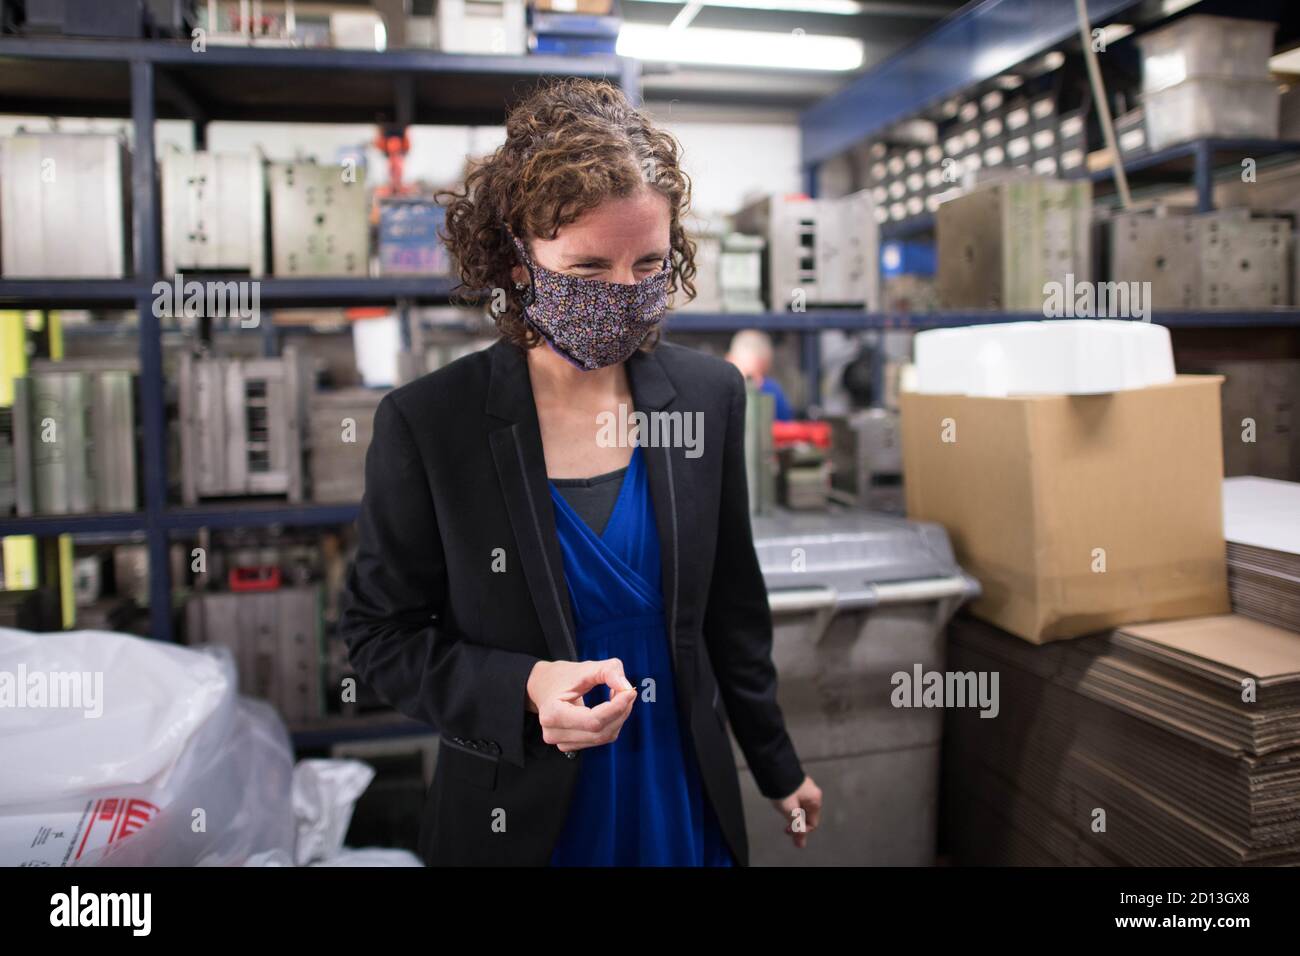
(1254, 513)
(378, 343)
(1050, 357)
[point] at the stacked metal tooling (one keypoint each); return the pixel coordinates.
(72, 438)
(820, 251)
(1002, 242)
(1217, 260)
(67, 208)
(275, 637)
(241, 426)
(339, 425)
(319, 223)
(1175, 743)
(214, 212)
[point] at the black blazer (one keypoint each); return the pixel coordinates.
(456, 486)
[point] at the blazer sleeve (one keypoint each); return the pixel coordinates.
(393, 603)
(738, 625)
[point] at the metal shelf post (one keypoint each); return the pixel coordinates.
(148, 262)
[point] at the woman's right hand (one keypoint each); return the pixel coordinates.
(555, 690)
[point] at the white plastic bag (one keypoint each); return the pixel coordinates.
(372, 856)
(150, 758)
(324, 793)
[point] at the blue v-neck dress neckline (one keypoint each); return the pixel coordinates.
(639, 801)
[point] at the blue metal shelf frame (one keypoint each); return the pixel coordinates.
(335, 730)
(176, 519)
(44, 525)
(145, 61)
(272, 291)
(258, 515)
(147, 218)
(1203, 153)
(397, 61)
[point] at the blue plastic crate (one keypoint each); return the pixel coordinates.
(899, 258)
(408, 238)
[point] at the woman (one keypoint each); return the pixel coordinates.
(566, 602)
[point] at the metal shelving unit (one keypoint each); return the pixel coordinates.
(975, 44)
(332, 730)
(971, 47)
(147, 80)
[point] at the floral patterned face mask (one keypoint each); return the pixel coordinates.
(592, 323)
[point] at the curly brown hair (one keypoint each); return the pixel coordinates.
(572, 144)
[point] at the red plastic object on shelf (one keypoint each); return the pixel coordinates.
(785, 434)
(260, 578)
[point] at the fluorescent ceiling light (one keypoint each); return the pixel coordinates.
(785, 51)
(1115, 31)
(1288, 62)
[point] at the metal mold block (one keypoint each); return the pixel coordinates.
(1244, 262)
(825, 251)
(319, 224)
(275, 637)
(337, 467)
(214, 213)
(708, 275)
(241, 427)
(864, 444)
(1162, 250)
(73, 437)
(740, 273)
(64, 206)
(1001, 243)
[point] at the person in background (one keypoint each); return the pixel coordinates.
(751, 352)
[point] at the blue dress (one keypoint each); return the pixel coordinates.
(639, 801)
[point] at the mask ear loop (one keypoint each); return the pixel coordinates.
(529, 295)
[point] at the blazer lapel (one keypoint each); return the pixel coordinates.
(521, 466)
(652, 390)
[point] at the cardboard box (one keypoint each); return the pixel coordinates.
(1076, 513)
(597, 7)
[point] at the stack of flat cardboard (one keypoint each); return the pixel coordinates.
(1176, 743)
(1261, 522)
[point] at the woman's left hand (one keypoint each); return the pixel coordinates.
(802, 811)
